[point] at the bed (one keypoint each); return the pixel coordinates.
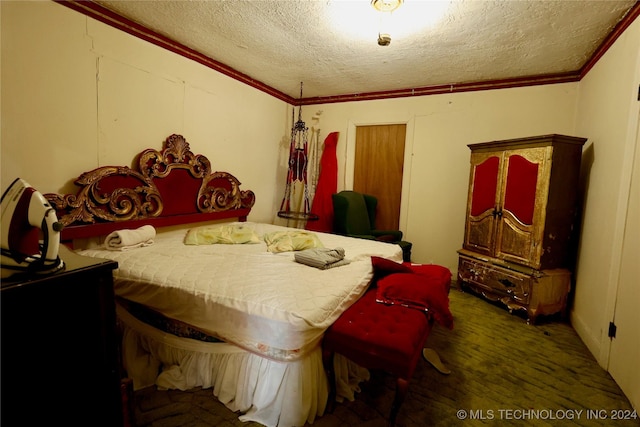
(211, 299)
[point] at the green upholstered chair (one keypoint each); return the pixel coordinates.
(354, 215)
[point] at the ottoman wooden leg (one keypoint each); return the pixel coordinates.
(402, 386)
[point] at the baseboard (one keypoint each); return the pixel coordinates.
(592, 342)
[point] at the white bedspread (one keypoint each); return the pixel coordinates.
(264, 302)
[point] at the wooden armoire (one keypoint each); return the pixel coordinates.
(521, 222)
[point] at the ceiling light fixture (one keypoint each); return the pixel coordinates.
(386, 7)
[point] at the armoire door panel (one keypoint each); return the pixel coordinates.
(520, 191)
(480, 232)
(482, 201)
(516, 243)
(485, 186)
(523, 206)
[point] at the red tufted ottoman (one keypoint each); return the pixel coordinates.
(381, 336)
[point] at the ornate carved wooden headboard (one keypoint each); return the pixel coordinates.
(168, 187)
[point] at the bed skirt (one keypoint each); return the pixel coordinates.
(273, 393)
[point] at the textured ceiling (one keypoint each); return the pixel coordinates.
(331, 45)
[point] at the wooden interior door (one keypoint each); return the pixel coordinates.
(378, 168)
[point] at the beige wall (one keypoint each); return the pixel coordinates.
(437, 157)
(78, 94)
(608, 288)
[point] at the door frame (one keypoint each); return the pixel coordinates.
(350, 151)
(620, 219)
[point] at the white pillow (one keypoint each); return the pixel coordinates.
(225, 234)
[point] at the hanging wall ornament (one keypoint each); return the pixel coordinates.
(295, 204)
(313, 161)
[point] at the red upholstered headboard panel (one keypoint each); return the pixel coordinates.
(168, 187)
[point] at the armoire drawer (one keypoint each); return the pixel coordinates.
(496, 279)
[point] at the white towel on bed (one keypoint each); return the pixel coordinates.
(128, 239)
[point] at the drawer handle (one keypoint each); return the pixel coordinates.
(507, 283)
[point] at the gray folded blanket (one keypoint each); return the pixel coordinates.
(322, 258)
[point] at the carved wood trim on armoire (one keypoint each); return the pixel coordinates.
(521, 222)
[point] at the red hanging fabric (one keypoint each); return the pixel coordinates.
(322, 204)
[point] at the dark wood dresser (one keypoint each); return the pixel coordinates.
(60, 363)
